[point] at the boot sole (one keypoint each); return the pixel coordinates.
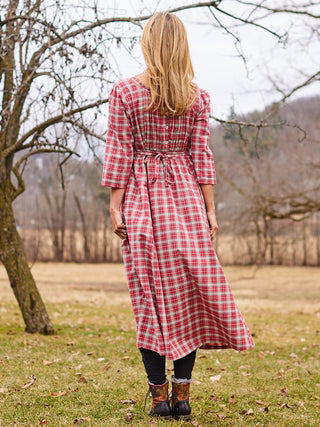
(182, 417)
(165, 417)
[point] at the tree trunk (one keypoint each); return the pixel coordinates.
(13, 257)
(84, 229)
(317, 216)
(304, 244)
(105, 228)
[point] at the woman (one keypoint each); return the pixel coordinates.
(161, 171)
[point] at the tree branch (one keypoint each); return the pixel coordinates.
(53, 120)
(57, 148)
(301, 11)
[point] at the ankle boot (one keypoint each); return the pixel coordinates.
(160, 401)
(180, 399)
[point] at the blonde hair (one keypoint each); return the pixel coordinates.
(165, 49)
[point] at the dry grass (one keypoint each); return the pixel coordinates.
(95, 363)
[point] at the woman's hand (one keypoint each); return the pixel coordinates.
(207, 191)
(117, 223)
(212, 224)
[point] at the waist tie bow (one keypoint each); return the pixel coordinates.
(168, 172)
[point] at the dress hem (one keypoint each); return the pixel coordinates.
(202, 346)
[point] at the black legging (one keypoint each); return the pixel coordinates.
(155, 366)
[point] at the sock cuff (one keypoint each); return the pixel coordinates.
(181, 380)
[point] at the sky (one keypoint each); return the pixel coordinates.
(218, 68)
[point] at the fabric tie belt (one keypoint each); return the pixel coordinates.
(164, 157)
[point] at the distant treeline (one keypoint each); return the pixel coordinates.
(266, 196)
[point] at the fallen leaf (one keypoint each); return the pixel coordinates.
(90, 353)
(43, 422)
(215, 398)
(221, 416)
(82, 379)
(247, 412)
(100, 359)
(215, 378)
(260, 402)
(47, 362)
(125, 358)
(77, 421)
(286, 405)
(284, 391)
(195, 382)
(107, 365)
(294, 355)
(202, 357)
(129, 416)
(128, 402)
(31, 382)
(232, 399)
(244, 367)
(62, 393)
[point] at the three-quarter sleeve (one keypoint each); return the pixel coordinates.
(201, 154)
(119, 143)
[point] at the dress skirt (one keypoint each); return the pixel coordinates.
(180, 296)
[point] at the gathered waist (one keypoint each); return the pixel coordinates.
(160, 153)
(163, 156)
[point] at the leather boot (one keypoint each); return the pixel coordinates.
(180, 399)
(160, 401)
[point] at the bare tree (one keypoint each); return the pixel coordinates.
(275, 181)
(55, 68)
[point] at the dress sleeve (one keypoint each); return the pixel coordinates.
(202, 156)
(119, 144)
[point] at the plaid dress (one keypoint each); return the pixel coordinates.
(180, 296)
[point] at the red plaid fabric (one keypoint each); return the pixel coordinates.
(180, 296)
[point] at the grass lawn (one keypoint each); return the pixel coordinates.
(91, 374)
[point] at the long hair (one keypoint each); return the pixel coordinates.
(165, 49)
